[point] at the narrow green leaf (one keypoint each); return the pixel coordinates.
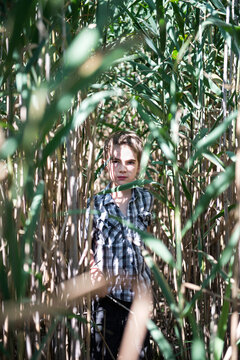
(219, 184)
(30, 227)
(179, 17)
(198, 350)
(20, 14)
(33, 215)
(5, 294)
(46, 339)
(9, 232)
(215, 89)
(213, 262)
(9, 147)
(164, 199)
(87, 41)
(130, 185)
(102, 14)
(219, 5)
(160, 339)
(156, 132)
(211, 138)
(214, 159)
(87, 106)
(152, 105)
(219, 340)
(185, 189)
(163, 34)
(222, 212)
(232, 30)
(156, 245)
(161, 282)
(222, 261)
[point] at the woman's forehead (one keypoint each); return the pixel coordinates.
(123, 152)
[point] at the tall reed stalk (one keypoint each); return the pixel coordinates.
(71, 73)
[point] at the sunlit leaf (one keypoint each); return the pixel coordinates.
(160, 339)
(198, 350)
(86, 40)
(218, 185)
(167, 292)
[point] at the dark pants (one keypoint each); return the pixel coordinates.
(109, 319)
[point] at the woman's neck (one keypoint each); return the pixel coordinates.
(122, 195)
(121, 199)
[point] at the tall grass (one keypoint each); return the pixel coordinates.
(72, 73)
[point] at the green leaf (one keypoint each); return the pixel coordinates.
(214, 159)
(10, 234)
(215, 89)
(130, 185)
(87, 106)
(232, 30)
(80, 48)
(211, 138)
(47, 338)
(30, 226)
(152, 105)
(185, 189)
(74, 81)
(5, 294)
(166, 291)
(198, 350)
(179, 17)
(157, 133)
(19, 16)
(156, 245)
(213, 262)
(9, 147)
(219, 184)
(221, 262)
(160, 339)
(219, 5)
(219, 340)
(33, 214)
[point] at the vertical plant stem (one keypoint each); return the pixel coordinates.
(235, 286)
(92, 134)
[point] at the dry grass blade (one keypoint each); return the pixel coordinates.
(80, 286)
(136, 329)
(195, 287)
(70, 291)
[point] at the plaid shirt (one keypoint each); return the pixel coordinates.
(117, 249)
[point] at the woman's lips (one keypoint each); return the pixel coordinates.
(122, 177)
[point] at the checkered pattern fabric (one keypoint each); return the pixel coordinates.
(117, 248)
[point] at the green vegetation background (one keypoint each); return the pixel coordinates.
(71, 73)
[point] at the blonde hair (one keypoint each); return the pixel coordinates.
(123, 137)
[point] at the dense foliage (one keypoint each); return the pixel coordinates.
(71, 73)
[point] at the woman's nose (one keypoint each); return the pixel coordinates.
(122, 168)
